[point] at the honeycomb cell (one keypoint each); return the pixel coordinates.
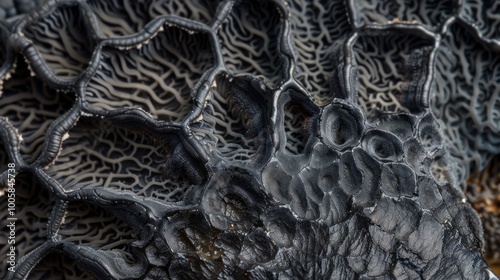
(468, 102)
(317, 26)
(99, 155)
(63, 40)
(384, 146)
(31, 107)
(306, 194)
(398, 180)
(249, 41)
(335, 207)
(276, 182)
(370, 170)
(341, 126)
(157, 77)
(392, 71)
(32, 210)
(350, 175)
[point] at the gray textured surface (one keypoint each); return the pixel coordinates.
(249, 139)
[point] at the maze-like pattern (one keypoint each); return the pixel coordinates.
(247, 139)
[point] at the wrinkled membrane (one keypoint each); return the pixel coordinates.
(229, 139)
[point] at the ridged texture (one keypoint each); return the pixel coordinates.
(244, 139)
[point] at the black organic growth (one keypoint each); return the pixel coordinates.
(247, 139)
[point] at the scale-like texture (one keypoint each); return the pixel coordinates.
(250, 139)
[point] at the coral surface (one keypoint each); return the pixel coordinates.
(249, 139)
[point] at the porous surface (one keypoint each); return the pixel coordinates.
(247, 139)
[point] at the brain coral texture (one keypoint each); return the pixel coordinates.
(249, 139)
